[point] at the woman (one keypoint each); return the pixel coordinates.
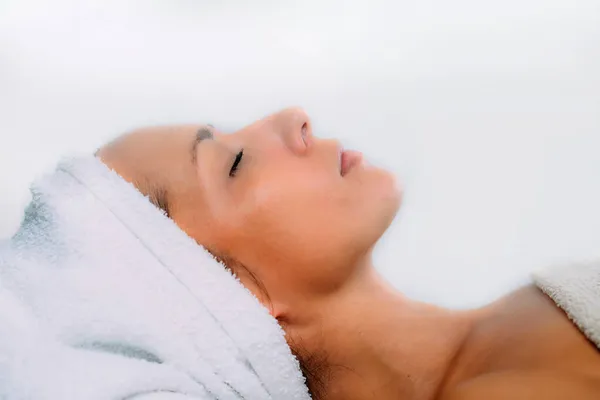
(296, 218)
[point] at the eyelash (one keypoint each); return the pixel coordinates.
(236, 163)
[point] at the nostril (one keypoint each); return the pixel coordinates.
(304, 132)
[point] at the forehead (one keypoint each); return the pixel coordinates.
(149, 140)
(156, 155)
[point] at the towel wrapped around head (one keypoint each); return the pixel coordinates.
(104, 297)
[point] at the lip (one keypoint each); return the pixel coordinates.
(348, 160)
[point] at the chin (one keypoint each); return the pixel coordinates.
(389, 200)
(389, 191)
(380, 206)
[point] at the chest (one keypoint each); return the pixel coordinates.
(547, 385)
(530, 350)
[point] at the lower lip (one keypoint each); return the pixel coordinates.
(349, 160)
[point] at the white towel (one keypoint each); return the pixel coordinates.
(104, 297)
(575, 288)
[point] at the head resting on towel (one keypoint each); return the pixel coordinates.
(291, 214)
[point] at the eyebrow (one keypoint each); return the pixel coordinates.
(203, 133)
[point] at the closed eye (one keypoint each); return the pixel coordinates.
(236, 163)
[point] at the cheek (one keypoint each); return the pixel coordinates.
(299, 235)
(302, 231)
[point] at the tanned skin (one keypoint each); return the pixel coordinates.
(298, 228)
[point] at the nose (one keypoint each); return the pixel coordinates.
(295, 128)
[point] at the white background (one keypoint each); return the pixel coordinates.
(488, 111)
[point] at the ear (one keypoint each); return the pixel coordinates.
(280, 312)
(276, 309)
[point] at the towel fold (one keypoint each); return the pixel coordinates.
(104, 297)
(575, 288)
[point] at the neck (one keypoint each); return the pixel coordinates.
(381, 345)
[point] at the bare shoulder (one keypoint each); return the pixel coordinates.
(527, 386)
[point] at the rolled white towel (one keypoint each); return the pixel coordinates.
(106, 298)
(575, 288)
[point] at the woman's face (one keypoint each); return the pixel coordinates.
(293, 209)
